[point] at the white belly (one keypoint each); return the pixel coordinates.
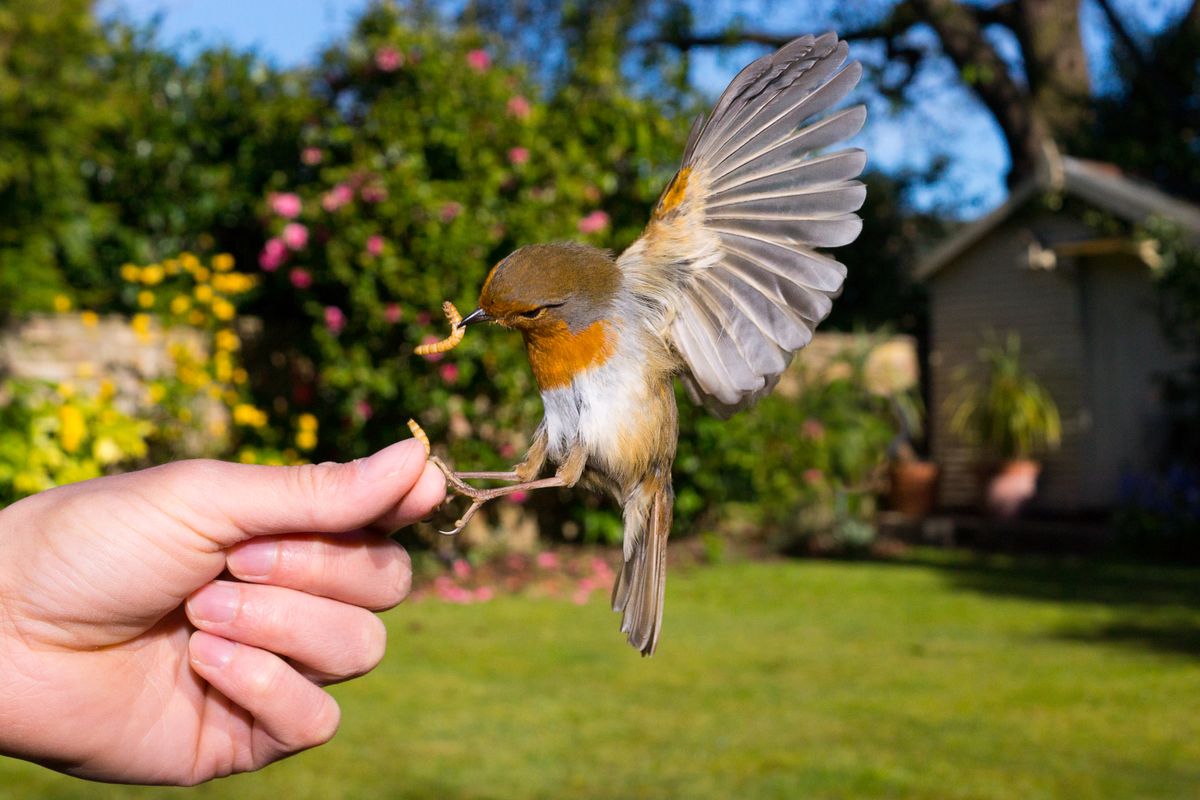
(601, 410)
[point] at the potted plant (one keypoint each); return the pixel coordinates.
(1013, 418)
(891, 373)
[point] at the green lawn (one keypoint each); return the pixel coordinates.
(940, 677)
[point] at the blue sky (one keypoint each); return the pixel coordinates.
(950, 122)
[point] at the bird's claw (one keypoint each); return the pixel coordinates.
(459, 486)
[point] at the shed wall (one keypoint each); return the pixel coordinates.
(991, 287)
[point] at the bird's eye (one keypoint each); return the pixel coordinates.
(534, 314)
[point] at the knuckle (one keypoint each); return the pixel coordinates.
(325, 723)
(404, 574)
(370, 647)
(267, 679)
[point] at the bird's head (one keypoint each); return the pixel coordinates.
(544, 288)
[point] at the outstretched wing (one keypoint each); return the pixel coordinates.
(730, 252)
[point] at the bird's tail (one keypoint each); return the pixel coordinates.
(638, 593)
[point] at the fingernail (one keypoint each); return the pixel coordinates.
(390, 461)
(255, 559)
(217, 602)
(211, 651)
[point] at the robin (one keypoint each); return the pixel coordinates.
(723, 286)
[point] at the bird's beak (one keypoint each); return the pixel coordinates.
(478, 315)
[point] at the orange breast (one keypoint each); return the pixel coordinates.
(557, 354)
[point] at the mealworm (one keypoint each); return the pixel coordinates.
(451, 341)
(420, 435)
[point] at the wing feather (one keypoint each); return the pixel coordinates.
(731, 253)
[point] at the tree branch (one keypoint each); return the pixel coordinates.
(1122, 33)
(901, 18)
(985, 72)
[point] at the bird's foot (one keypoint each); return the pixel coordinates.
(479, 497)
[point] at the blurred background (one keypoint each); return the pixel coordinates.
(952, 556)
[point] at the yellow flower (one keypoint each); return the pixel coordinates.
(247, 456)
(306, 440)
(222, 262)
(246, 414)
(180, 304)
(203, 293)
(213, 392)
(156, 392)
(189, 261)
(196, 317)
(107, 389)
(62, 303)
(90, 319)
(230, 397)
(170, 266)
(145, 299)
(71, 428)
(130, 273)
(106, 451)
(218, 428)
(152, 275)
(223, 367)
(223, 310)
(307, 422)
(66, 390)
(240, 376)
(185, 415)
(227, 340)
(201, 274)
(85, 370)
(141, 326)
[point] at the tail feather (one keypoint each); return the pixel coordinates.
(638, 593)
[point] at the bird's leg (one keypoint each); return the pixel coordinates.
(568, 474)
(489, 476)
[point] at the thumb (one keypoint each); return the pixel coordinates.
(239, 501)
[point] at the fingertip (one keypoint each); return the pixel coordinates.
(426, 494)
(399, 464)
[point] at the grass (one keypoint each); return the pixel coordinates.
(939, 677)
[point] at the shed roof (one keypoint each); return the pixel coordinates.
(1098, 183)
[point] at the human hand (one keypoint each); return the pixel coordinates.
(102, 674)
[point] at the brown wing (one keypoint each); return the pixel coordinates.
(731, 248)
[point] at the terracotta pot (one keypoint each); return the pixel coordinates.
(913, 488)
(1010, 487)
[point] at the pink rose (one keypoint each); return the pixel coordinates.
(337, 197)
(273, 254)
(484, 594)
(286, 204)
(506, 450)
(393, 313)
(813, 476)
(300, 278)
(518, 155)
(450, 211)
(374, 193)
(813, 429)
(449, 373)
(335, 319)
(462, 569)
(593, 222)
(547, 560)
(479, 60)
(519, 107)
(363, 409)
(295, 236)
(375, 245)
(388, 59)
(311, 156)
(580, 597)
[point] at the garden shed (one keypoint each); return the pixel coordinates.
(1048, 266)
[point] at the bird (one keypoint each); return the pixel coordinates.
(727, 281)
